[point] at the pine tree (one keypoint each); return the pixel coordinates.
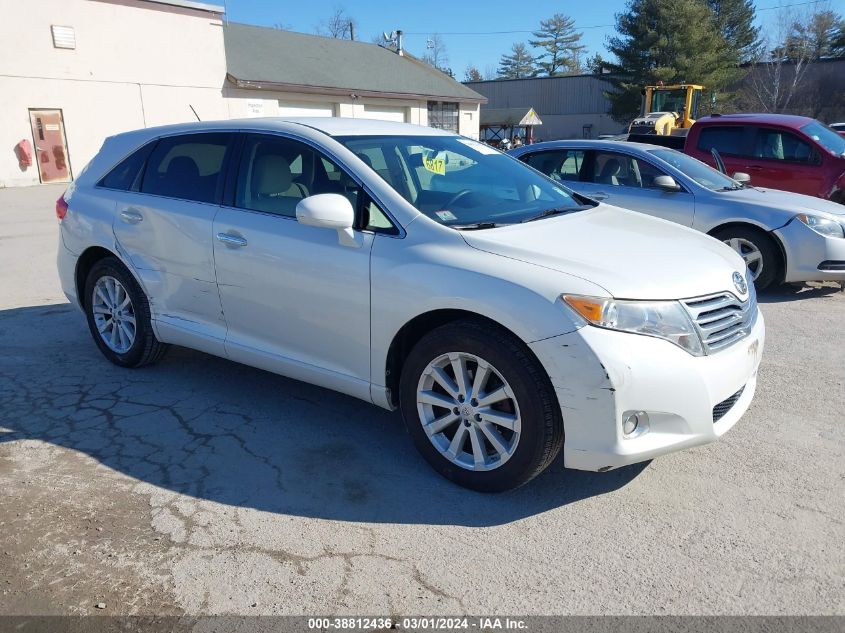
(519, 64)
(821, 32)
(561, 46)
(672, 41)
(473, 74)
(735, 20)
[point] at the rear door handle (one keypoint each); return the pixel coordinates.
(130, 216)
(231, 240)
(599, 195)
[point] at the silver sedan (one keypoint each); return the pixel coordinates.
(783, 237)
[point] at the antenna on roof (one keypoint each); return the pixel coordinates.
(394, 39)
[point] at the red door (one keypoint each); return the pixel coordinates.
(783, 160)
(48, 134)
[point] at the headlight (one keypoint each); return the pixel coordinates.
(662, 319)
(822, 226)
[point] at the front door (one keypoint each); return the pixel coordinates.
(48, 134)
(296, 301)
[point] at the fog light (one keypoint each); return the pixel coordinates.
(634, 422)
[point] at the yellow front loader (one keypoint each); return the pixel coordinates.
(668, 110)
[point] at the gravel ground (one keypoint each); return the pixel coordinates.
(202, 486)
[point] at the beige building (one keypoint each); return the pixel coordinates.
(73, 72)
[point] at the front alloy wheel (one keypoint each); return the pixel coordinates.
(468, 411)
(479, 406)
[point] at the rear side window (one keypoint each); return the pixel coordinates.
(561, 165)
(187, 167)
(726, 139)
(127, 175)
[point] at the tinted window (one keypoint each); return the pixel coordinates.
(727, 139)
(127, 175)
(559, 165)
(187, 167)
(773, 144)
(276, 173)
(610, 168)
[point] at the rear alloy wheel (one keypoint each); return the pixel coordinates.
(480, 407)
(118, 314)
(757, 250)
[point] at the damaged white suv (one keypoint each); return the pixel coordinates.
(505, 315)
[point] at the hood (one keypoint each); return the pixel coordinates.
(630, 255)
(784, 201)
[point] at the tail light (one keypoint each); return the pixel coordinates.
(61, 207)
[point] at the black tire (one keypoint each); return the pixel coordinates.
(541, 436)
(146, 348)
(771, 260)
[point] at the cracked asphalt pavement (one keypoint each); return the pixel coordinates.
(201, 486)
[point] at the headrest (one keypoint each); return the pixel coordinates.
(183, 168)
(611, 168)
(271, 175)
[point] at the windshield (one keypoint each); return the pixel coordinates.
(668, 100)
(703, 174)
(460, 182)
(825, 137)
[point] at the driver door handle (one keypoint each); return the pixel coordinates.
(231, 240)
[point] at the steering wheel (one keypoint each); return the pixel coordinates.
(461, 194)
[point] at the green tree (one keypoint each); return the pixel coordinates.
(596, 64)
(821, 33)
(735, 20)
(672, 41)
(519, 64)
(561, 46)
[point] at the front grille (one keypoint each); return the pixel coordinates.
(724, 406)
(722, 319)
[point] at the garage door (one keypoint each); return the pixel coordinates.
(385, 113)
(306, 109)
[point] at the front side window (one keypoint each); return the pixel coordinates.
(726, 139)
(276, 173)
(457, 181)
(774, 144)
(560, 165)
(701, 173)
(612, 168)
(187, 167)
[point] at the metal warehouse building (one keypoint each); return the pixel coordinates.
(570, 107)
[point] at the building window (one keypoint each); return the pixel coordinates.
(443, 115)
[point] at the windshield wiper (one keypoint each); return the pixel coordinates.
(550, 212)
(474, 226)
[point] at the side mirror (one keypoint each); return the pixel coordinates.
(329, 211)
(667, 183)
(741, 177)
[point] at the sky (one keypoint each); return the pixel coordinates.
(468, 27)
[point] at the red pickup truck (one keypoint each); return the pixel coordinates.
(779, 151)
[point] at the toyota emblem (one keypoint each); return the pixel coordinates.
(739, 282)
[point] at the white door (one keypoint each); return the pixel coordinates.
(165, 231)
(306, 109)
(296, 301)
(385, 113)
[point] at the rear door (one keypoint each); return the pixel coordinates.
(163, 225)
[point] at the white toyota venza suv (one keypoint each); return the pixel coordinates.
(505, 315)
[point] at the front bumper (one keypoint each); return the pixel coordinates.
(601, 375)
(806, 251)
